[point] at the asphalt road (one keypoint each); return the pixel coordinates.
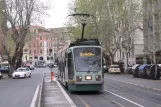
(121, 91)
(20, 92)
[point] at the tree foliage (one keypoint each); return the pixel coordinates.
(17, 16)
(114, 22)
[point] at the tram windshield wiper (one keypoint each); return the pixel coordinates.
(89, 70)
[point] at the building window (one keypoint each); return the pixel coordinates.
(34, 45)
(30, 52)
(46, 38)
(34, 51)
(25, 50)
(34, 31)
(40, 44)
(35, 57)
(41, 51)
(29, 44)
(40, 37)
(47, 51)
(48, 58)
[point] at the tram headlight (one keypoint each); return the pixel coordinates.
(88, 77)
(79, 78)
(98, 77)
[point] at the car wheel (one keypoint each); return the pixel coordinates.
(30, 76)
(25, 76)
(13, 78)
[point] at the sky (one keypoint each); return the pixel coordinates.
(57, 14)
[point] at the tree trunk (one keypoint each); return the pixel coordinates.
(11, 70)
(19, 60)
(112, 59)
(126, 62)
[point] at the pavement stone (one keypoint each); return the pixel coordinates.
(52, 94)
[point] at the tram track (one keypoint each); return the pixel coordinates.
(110, 100)
(113, 101)
(129, 87)
(85, 103)
(131, 93)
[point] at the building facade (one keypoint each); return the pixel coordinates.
(136, 51)
(151, 30)
(42, 41)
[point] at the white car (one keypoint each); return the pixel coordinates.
(114, 69)
(22, 73)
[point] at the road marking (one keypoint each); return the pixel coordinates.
(33, 103)
(155, 89)
(87, 105)
(113, 101)
(138, 98)
(72, 104)
(124, 98)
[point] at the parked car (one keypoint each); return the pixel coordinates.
(114, 69)
(4, 69)
(135, 70)
(159, 68)
(32, 67)
(1, 76)
(22, 72)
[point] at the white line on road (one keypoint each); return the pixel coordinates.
(140, 86)
(33, 103)
(124, 98)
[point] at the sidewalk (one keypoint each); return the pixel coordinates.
(5, 76)
(54, 95)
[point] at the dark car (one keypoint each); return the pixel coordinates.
(4, 69)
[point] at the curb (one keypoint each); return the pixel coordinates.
(34, 100)
(72, 104)
(37, 99)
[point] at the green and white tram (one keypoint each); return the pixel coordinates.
(80, 66)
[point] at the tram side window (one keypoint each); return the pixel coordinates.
(69, 59)
(70, 66)
(65, 59)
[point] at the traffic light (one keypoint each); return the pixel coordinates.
(50, 50)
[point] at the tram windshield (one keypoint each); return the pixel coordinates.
(87, 59)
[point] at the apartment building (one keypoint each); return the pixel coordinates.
(42, 40)
(152, 32)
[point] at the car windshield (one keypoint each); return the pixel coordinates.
(21, 70)
(87, 58)
(114, 66)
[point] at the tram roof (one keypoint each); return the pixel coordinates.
(88, 42)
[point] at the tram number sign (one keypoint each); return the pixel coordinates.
(87, 54)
